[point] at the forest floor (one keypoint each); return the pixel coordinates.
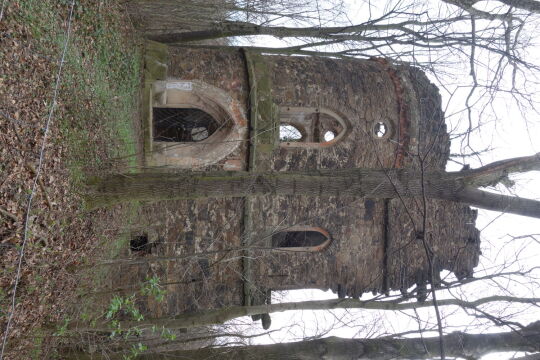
(87, 128)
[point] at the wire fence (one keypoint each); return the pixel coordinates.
(37, 175)
(39, 168)
(2, 9)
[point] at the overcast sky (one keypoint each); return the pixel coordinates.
(509, 132)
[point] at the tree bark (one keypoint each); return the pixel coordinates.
(457, 344)
(220, 316)
(369, 183)
(529, 5)
(228, 29)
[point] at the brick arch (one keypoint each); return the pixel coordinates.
(227, 112)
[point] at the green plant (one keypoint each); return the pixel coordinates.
(114, 307)
(167, 334)
(136, 350)
(62, 329)
(151, 287)
(122, 305)
(127, 304)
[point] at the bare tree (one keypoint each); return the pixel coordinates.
(441, 37)
(458, 344)
(221, 316)
(385, 183)
(456, 33)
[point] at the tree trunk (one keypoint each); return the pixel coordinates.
(529, 5)
(368, 183)
(457, 344)
(220, 316)
(344, 182)
(231, 28)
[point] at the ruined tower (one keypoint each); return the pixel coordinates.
(206, 109)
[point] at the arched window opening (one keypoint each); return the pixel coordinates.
(317, 126)
(301, 239)
(289, 133)
(182, 124)
(193, 124)
(380, 129)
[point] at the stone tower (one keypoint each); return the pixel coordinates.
(206, 109)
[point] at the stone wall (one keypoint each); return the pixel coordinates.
(219, 72)
(204, 238)
(451, 239)
(374, 244)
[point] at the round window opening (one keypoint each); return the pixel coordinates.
(289, 133)
(329, 135)
(380, 129)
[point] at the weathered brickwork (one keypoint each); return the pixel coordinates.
(224, 70)
(451, 237)
(204, 236)
(374, 244)
(357, 240)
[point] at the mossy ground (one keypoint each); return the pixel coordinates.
(93, 131)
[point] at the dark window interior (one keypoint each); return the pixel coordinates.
(140, 243)
(297, 239)
(182, 125)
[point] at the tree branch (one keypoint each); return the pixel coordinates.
(220, 316)
(499, 202)
(498, 171)
(458, 344)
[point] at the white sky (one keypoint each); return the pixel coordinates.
(514, 133)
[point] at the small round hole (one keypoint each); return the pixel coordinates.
(329, 135)
(380, 129)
